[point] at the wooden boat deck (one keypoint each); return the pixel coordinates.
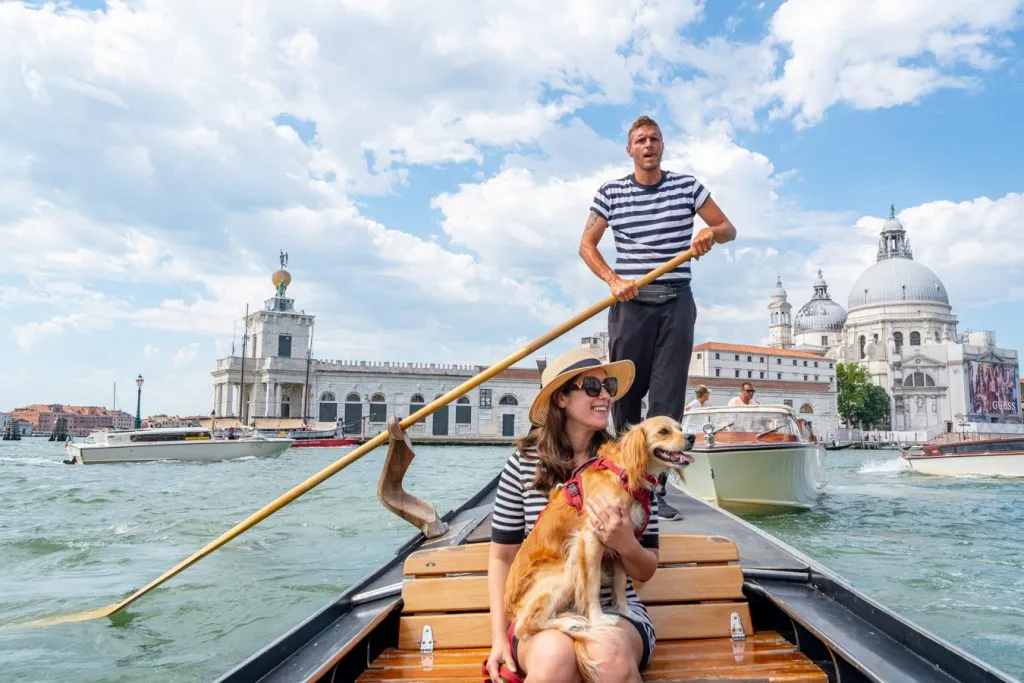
(696, 600)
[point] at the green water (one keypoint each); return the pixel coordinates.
(947, 554)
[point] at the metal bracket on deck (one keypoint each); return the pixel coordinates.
(416, 511)
(736, 627)
(427, 641)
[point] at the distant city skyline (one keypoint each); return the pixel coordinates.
(430, 194)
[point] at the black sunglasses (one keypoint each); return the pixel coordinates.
(593, 386)
(749, 391)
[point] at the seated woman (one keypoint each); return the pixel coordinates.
(571, 418)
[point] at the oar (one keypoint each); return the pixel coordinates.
(362, 450)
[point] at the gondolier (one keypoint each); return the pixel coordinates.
(651, 214)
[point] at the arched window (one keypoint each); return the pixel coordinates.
(807, 408)
(286, 405)
(463, 411)
(353, 398)
(915, 338)
(920, 379)
(328, 407)
(508, 400)
(415, 403)
(863, 341)
(898, 338)
(378, 408)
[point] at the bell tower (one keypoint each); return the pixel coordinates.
(780, 326)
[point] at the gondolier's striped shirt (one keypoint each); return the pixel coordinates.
(650, 223)
(518, 504)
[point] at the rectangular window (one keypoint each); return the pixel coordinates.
(762, 375)
(737, 356)
(749, 359)
(284, 345)
(778, 375)
(698, 356)
(718, 372)
(824, 341)
(805, 378)
(750, 374)
(788, 402)
(815, 378)
(829, 366)
(463, 414)
(761, 359)
(737, 372)
(805, 364)
(778, 361)
(485, 398)
(794, 361)
(717, 357)
(378, 412)
(815, 363)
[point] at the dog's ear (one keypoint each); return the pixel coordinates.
(634, 454)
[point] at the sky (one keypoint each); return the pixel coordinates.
(429, 167)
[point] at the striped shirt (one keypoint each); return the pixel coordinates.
(518, 504)
(651, 223)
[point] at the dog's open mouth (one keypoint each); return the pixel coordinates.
(674, 457)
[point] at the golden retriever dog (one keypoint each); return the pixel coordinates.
(555, 580)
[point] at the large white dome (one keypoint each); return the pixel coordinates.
(895, 280)
(896, 277)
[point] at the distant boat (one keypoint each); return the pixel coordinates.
(986, 457)
(171, 443)
(753, 460)
(312, 438)
(838, 445)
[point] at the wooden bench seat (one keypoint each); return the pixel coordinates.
(695, 600)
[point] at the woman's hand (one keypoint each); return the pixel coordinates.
(500, 652)
(611, 524)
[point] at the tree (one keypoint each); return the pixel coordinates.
(860, 402)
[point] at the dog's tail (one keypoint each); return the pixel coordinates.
(585, 640)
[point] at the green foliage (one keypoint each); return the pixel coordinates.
(860, 402)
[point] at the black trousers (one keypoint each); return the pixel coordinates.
(658, 338)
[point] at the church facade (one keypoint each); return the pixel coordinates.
(899, 325)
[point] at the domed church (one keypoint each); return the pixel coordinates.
(898, 324)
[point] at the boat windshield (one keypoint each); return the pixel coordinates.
(743, 425)
(199, 435)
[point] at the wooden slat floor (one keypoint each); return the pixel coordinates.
(765, 656)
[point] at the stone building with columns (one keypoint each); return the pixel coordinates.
(899, 325)
(276, 384)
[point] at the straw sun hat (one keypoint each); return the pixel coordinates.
(567, 366)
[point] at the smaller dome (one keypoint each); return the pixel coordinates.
(820, 314)
(779, 289)
(892, 224)
(281, 277)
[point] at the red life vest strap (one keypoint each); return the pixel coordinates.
(574, 488)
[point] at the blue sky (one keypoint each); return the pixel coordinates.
(429, 169)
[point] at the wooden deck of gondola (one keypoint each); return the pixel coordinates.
(839, 629)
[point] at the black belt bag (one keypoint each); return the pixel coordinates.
(655, 294)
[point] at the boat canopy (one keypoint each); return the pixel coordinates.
(755, 420)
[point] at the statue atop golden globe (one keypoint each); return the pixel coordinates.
(282, 278)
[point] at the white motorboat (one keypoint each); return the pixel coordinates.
(753, 459)
(172, 443)
(983, 457)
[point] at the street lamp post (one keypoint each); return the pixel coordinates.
(138, 403)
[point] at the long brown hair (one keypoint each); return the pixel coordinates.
(550, 445)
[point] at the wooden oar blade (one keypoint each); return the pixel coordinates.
(71, 618)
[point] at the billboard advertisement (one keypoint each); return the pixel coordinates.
(993, 388)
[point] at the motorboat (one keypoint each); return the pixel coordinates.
(758, 459)
(1003, 457)
(170, 443)
(732, 603)
(312, 438)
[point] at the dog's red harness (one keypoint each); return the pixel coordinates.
(574, 488)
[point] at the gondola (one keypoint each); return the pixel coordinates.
(730, 603)
(838, 445)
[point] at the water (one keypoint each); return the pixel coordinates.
(947, 554)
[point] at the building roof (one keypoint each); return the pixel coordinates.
(762, 350)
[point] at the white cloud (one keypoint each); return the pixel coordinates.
(185, 355)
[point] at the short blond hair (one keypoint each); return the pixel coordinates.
(643, 120)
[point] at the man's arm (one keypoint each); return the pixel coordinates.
(624, 290)
(719, 231)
